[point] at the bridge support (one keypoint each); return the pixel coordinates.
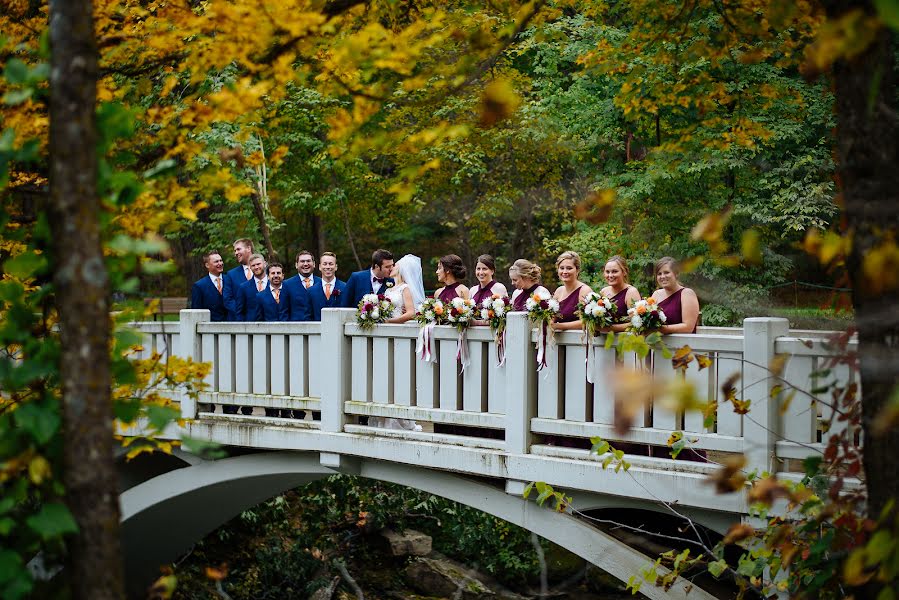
(162, 517)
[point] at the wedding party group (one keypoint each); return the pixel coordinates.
(393, 292)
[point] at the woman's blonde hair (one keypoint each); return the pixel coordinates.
(526, 269)
(622, 264)
(572, 256)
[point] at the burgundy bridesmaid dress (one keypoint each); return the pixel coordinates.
(520, 302)
(483, 293)
(449, 292)
(620, 302)
(673, 310)
(568, 307)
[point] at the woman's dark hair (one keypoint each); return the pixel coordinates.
(488, 262)
(453, 265)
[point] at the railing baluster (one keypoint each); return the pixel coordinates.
(520, 375)
(336, 353)
(189, 346)
(278, 365)
(450, 392)
(577, 405)
(760, 429)
(474, 379)
(404, 367)
(382, 371)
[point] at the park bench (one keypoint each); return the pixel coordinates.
(167, 306)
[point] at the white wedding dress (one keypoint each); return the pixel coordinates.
(410, 270)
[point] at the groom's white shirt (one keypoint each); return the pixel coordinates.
(374, 280)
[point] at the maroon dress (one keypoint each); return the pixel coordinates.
(449, 292)
(620, 302)
(483, 293)
(521, 299)
(568, 307)
(673, 310)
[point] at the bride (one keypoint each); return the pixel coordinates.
(408, 290)
(407, 293)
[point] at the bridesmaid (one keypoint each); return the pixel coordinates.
(679, 303)
(619, 290)
(525, 276)
(572, 291)
(450, 272)
(484, 271)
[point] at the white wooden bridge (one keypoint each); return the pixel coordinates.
(343, 373)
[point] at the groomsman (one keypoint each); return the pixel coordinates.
(306, 268)
(243, 250)
(372, 280)
(327, 291)
(209, 291)
(269, 299)
(246, 293)
(295, 304)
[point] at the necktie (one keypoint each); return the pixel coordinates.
(307, 282)
(247, 273)
(328, 291)
(218, 284)
(277, 292)
(259, 285)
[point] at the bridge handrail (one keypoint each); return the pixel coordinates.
(347, 372)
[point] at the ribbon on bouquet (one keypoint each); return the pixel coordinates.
(462, 350)
(589, 362)
(544, 339)
(424, 347)
(501, 347)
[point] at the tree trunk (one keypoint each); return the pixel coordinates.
(82, 298)
(867, 147)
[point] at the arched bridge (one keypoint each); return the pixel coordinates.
(486, 432)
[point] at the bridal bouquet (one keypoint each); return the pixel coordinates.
(645, 315)
(595, 312)
(542, 309)
(373, 309)
(431, 312)
(493, 310)
(461, 313)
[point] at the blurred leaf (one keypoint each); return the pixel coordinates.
(53, 520)
(39, 420)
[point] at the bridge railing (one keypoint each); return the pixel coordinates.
(353, 376)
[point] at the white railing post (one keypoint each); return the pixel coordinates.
(520, 384)
(335, 360)
(760, 429)
(189, 347)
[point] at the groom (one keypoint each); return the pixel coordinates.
(370, 281)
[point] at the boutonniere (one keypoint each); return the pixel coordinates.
(336, 292)
(389, 284)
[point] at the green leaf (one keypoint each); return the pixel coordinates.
(16, 71)
(126, 410)
(677, 447)
(889, 12)
(610, 340)
(161, 416)
(886, 593)
(13, 97)
(654, 338)
(527, 490)
(717, 568)
(52, 521)
(204, 449)
(39, 420)
(879, 547)
(10, 565)
(24, 265)
(6, 525)
(812, 465)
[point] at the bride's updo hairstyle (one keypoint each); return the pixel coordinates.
(453, 265)
(526, 269)
(622, 264)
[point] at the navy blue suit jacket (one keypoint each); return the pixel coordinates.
(237, 278)
(357, 286)
(266, 307)
(204, 294)
(295, 304)
(319, 301)
(246, 300)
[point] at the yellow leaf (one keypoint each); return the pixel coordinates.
(498, 102)
(39, 470)
(751, 247)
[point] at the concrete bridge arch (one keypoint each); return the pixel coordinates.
(163, 516)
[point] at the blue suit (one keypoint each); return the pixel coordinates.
(204, 294)
(246, 300)
(295, 304)
(357, 286)
(237, 278)
(320, 301)
(266, 307)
